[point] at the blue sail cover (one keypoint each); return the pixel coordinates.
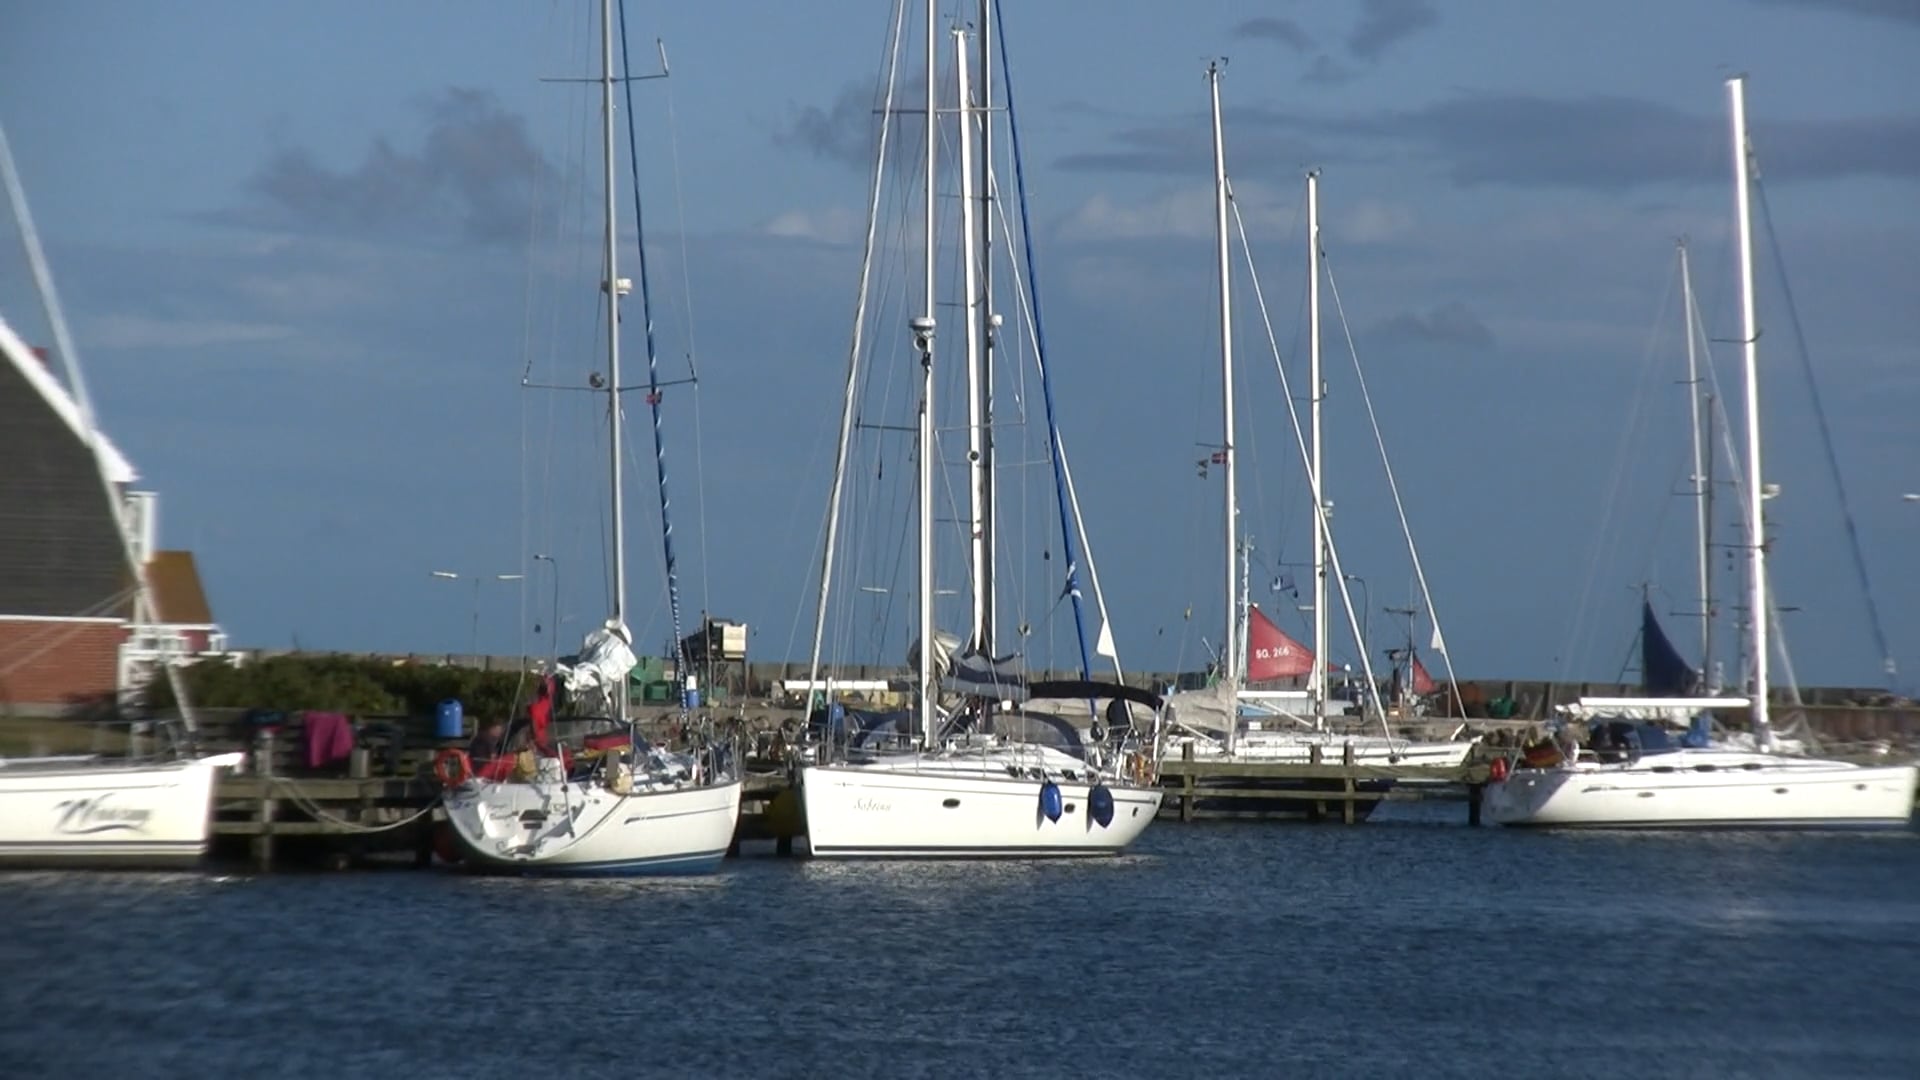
(976, 675)
(1663, 671)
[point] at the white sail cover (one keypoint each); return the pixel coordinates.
(1676, 710)
(945, 644)
(602, 666)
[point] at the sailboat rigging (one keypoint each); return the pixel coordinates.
(969, 781)
(620, 806)
(1211, 720)
(1631, 773)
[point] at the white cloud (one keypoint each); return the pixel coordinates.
(143, 332)
(1183, 214)
(1372, 222)
(834, 225)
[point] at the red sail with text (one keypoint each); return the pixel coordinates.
(1271, 654)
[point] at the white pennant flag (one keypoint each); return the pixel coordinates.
(1105, 646)
(1438, 644)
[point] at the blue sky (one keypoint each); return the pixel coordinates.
(309, 251)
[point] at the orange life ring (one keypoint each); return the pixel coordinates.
(452, 767)
(1498, 769)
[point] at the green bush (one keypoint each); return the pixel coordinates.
(353, 685)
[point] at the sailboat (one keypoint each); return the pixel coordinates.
(1633, 773)
(1211, 722)
(970, 779)
(633, 808)
(87, 810)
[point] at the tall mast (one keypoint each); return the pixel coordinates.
(922, 327)
(1757, 612)
(1317, 680)
(1697, 403)
(1231, 663)
(981, 554)
(612, 287)
(990, 509)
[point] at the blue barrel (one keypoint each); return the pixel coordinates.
(691, 697)
(448, 722)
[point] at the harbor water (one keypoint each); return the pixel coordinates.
(1410, 946)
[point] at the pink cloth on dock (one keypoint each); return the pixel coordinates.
(329, 739)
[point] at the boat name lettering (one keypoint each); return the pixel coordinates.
(874, 805)
(85, 816)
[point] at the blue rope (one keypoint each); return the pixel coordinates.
(653, 372)
(1826, 441)
(1040, 343)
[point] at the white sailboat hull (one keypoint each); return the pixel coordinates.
(933, 809)
(79, 812)
(1705, 788)
(1297, 748)
(552, 827)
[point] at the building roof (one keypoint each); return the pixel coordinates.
(178, 597)
(61, 553)
(39, 376)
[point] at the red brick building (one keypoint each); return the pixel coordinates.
(73, 629)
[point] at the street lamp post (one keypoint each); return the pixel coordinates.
(473, 647)
(1366, 612)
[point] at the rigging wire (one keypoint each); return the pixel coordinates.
(1040, 347)
(655, 396)
(850, 393)
(1826, 439)
(693, 354)
(1393, 486)
(1300, 444)
(1578, 634)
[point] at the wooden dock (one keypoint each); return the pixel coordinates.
(366, 816)
(1316, 790)
(380, 806)
(387, 807)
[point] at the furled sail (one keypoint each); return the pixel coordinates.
(1663, 671)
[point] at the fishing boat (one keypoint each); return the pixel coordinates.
(1226, 721)
(94, 810)
(620, 806)
(1633, 773)
(965, 772)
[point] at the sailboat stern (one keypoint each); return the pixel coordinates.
(561, 828)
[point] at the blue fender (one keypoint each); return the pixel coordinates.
(1100, 805)
(1050, 801)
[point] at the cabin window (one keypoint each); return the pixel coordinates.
(1779, 791)
(1663, 768)
(1069, 808)
(1703, 768)
(951, 804)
